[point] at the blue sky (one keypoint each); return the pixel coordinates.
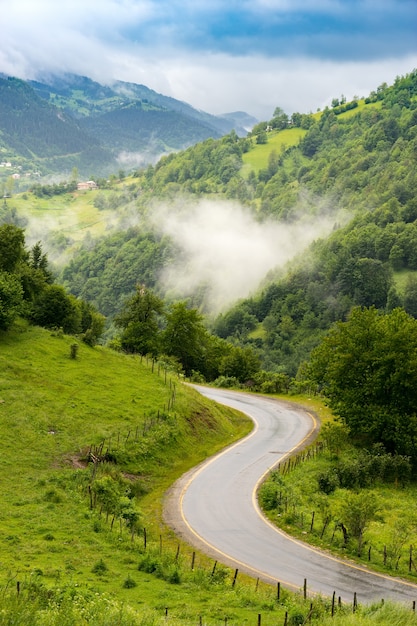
(218, 55)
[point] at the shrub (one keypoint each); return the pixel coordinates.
(100, 567)
(269, 496)
(226, 382)
(129, 583)
(328, 482)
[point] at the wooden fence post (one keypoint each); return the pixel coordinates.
(312, 521)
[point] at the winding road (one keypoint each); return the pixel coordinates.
(214, 508)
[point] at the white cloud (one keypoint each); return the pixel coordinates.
(133, 40)
(220, 83)
(296, 6)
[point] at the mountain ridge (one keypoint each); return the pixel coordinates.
(56, 123)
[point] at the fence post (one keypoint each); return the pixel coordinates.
(333, 602)
(235, 577)
(305, 588)
(312, 521)
(278, 591)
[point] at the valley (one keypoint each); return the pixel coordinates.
(112, 297)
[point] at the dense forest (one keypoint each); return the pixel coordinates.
(356, 159)
(40, 137)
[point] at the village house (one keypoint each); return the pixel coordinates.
(89, 184)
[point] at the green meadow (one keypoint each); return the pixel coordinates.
(257, 158)
(71, 213)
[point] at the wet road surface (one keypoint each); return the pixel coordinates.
(217, 509)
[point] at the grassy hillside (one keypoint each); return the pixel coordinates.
(53, 408)
(64, 560)
(257, 158)
(67, 217)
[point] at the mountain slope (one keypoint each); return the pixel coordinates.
(138, 126)
(359, 166)
(239, 121)
(127, 117)
(72, 121)
(55, 409)
(38, 132)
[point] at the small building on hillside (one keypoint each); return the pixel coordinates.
(89, 184)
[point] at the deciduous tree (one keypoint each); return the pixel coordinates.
(367, 368)
(139, 320)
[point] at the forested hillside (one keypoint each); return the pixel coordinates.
(72, 121)
(356, 159)
(37, 136)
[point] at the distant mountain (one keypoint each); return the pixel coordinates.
(59, 122)
(238, 121)
(37, 135)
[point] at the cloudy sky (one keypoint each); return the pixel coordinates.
(218, 55)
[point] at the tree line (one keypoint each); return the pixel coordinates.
(28, 290)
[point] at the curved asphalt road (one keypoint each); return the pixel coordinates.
(216, 509)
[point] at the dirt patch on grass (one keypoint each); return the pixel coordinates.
(76, 461)
(202, 419)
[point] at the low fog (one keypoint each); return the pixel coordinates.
(227, 251)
